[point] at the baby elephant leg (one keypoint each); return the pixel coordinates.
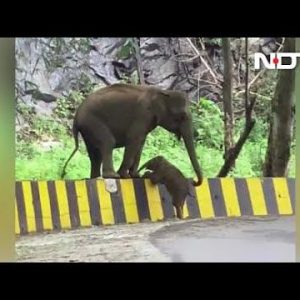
(178, 202)
(179, 211)
(154, 178)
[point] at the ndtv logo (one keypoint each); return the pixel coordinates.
(276, 60)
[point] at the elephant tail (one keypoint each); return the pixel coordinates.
(75, 135)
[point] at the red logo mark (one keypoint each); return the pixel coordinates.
(275, 60)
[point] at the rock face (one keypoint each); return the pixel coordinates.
(48, 68)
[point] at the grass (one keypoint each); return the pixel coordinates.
(35, 161)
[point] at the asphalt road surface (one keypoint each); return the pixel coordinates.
(219, 240)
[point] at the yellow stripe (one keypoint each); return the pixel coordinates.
(63, 206)
(282, 196)
(154, 201)
(257, 196)
(105, 204)
(29, 209)
(204, 200)
(83, 203)
(45, 205)
(17, 224)
(129, 201)
(230, 197)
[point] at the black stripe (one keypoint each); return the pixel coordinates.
(93, 202)
(192, 204)
(217, 197)
(118, 205)
(243, 197)
(73, 205)
(37, 206)
(141, 199)
(292, 191)
(54, 205)
(270, 196)
(21, 208)
(166, 202)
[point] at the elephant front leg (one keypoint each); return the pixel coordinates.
(132, 152)
(107, 167)
(133, 170)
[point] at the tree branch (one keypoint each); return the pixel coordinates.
(251, 83)
(234, 152)
(248, 112)
(227, 96)
(202, 60)
(139, 60)
(207, 81)
(255, 94)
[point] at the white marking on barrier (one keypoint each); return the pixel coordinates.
(111, 185)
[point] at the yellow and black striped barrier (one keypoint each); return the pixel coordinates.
(53, 205)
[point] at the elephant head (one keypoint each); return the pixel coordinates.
(172, 113)
(152, 164)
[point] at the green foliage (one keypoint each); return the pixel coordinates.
(207, 120)
(127, 49)
(66, 106)
(81, 45)
(26, 111)
(213, 41)
(134, 78)
(35, 161)
(265, 93)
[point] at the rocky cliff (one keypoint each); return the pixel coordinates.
(48, 68)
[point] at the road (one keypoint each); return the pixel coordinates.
(219, 240)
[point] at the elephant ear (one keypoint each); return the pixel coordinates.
(158, 105)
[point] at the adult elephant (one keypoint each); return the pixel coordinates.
(122, 115)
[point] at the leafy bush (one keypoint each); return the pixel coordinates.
(207, 120)
(35, 161)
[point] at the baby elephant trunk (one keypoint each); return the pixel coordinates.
(143, 167)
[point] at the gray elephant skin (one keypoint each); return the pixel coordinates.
(122, 115)
(166, 173)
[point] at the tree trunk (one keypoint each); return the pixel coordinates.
(227, 97)
(234, 152)
(138, 58)
(281, 121)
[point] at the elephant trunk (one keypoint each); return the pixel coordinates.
(187, 134)
(145, 165)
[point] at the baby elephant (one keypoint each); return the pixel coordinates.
(165, 173)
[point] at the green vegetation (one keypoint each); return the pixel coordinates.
(35, 159)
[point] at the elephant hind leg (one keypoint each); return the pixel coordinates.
(100, 144)
(95, 159)
(178, 203)
(179, 211)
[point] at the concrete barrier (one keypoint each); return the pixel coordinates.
(55, 205)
